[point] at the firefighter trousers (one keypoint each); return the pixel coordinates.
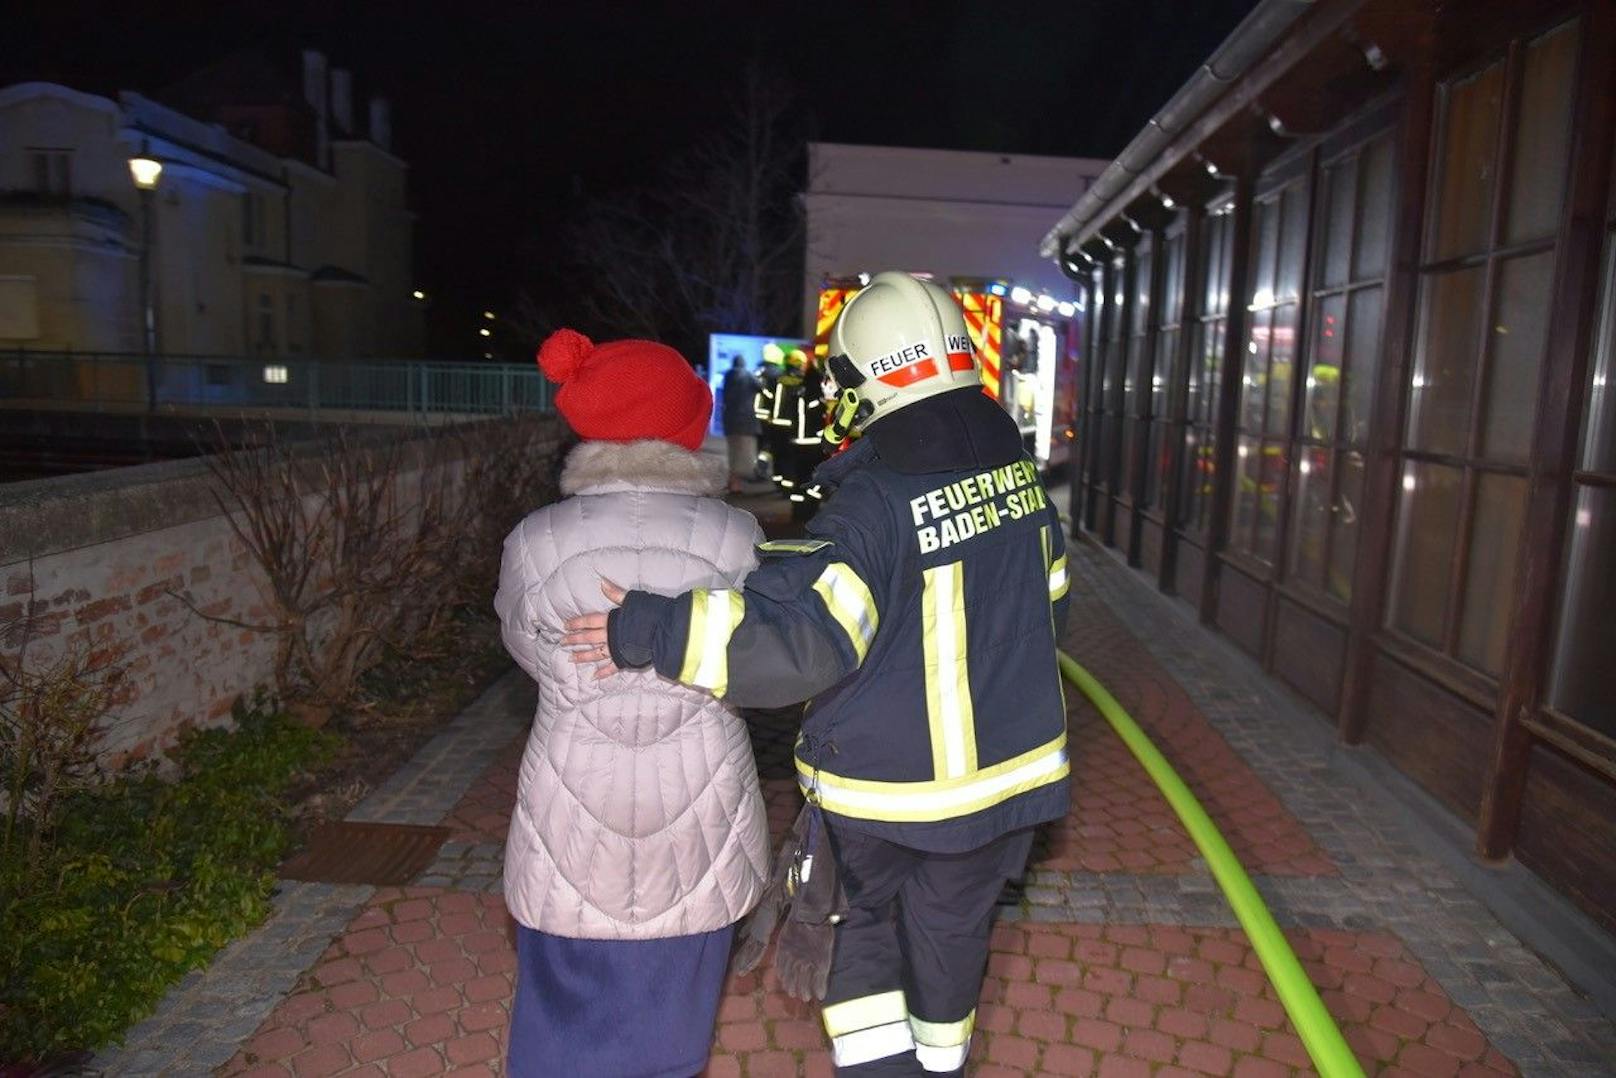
(911, 953)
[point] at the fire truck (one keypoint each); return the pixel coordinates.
(1027, 343)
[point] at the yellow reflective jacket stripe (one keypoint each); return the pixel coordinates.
(849, 601)
(938, 799)
(713, 618)
(949, 711)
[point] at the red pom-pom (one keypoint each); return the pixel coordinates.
(562, 353)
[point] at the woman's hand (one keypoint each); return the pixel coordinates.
(586, 634)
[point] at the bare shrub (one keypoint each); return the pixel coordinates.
(509, 471)
(53, 710)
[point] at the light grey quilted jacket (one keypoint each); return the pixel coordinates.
(638, 814)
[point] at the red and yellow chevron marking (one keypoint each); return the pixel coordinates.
(831, 302)
(984, 314)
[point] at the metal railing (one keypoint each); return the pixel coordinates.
(99, 381)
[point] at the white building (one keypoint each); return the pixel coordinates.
(278, 226)
(950, 213)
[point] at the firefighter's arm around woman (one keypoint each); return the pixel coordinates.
(803, 622)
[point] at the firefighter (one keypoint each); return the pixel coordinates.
(920, 616)
(806, 443)
(768, 409)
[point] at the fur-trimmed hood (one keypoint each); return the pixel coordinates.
(605, 467)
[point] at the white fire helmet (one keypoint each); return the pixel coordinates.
(897, 341)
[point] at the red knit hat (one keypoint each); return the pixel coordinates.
(623, 391)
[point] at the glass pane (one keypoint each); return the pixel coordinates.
(1108, 449)
(1542, 137)
(1323, 391)
(1599, 421)
(1581, 685)
(1190, 480)
(1141, 290)
(1344, 543)
(1218, 251)
(1281, 363)
(1193, 393)
(1520, 324)
(1173, 284)
(1125, 468)
(1212, 370)
(1374, 209)
(1427, 515)
(1267, 254)
(1489, 589)
(1310, 527)
(1468, 165)
(1270, 484)
(1292, 242)
(1248, 464)
(1255, 377)
(1445, 370)
(1166, 353)
(1363, 363)
(1338, 191)
(1153, 462)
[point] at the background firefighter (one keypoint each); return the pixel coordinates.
(921, 616)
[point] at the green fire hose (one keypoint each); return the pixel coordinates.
(1318, 1030)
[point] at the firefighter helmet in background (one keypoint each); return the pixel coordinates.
(796, 359)
(897, 341)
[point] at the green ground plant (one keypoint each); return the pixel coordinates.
(142, 881)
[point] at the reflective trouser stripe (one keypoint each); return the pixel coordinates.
(863, 1012)
(849, 601)
(1059, 581)
(713, 618)
(942, 1060)
(867, 1045)
(942, 1046)
(948, 682)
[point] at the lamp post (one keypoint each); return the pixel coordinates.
(145, 170)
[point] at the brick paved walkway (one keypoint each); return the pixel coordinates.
(1119, 960)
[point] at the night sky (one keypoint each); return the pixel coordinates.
(505, 112)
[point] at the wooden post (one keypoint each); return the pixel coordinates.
(1234, 360)
(1381, 476)
(1572, 314)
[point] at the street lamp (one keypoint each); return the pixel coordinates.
(145, 170)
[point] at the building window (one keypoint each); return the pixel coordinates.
(52, 171)
(266, 323)
(1263, 416)
(1136, 365)
(1492, 224)
(1343, 355)
(1580, 684)
(1169, 315)
(1206, 371)
(1114, 473)
(252, 220)
(275, 375)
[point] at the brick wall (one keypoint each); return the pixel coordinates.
(105, 556)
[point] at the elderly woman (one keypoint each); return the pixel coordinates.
(639, 837)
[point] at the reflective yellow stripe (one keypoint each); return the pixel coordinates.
(934, 705)
(949, 712)
(939, 799)
(868, 1045)
(849, 601)
(943, 1034)
(713, 618)
(793, 546)
(1059, 581)
(865, 1012)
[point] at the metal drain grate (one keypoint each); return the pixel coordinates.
(381, 854)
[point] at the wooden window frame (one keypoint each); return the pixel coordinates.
(1442, 660)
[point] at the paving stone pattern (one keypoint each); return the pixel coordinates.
(1524, 1007)
(1119, 959)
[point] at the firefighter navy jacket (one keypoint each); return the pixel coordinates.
(920, 615)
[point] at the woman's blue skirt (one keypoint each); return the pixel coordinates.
(615, 1008)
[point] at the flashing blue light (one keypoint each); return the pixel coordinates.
(997, 289)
